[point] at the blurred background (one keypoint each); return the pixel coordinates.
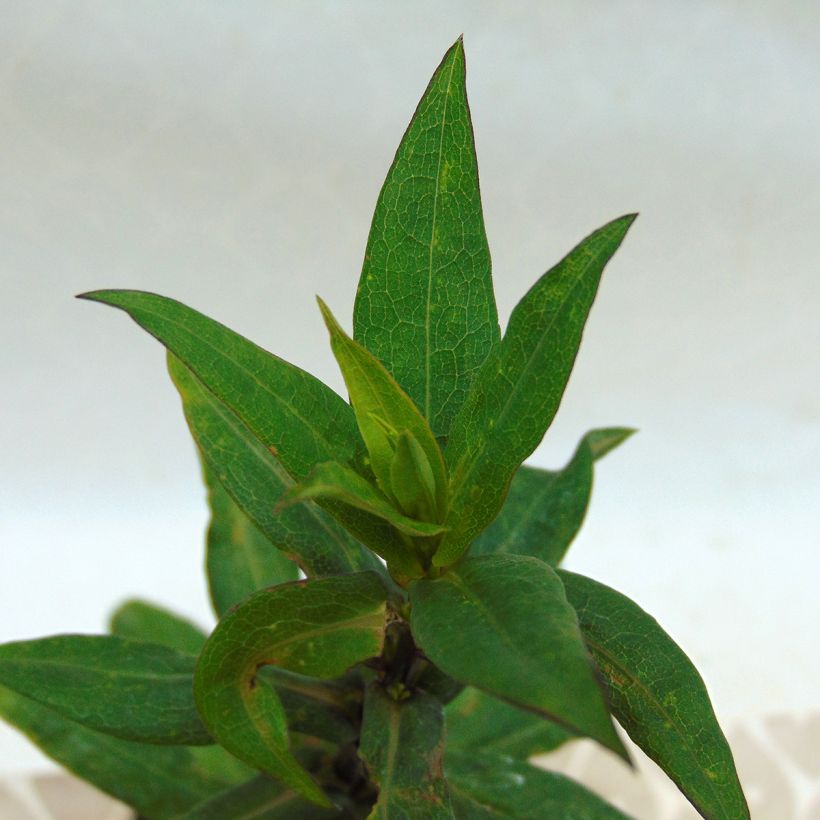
(230, 155)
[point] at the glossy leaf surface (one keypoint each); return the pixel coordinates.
(95, 680)
(502, 623)
(144, 621)
(402, 745)
(545, 509)
(425, 304)
(516, 395)
(658, 696)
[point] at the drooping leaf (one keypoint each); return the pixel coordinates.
(318, 628)
(476, 720)
(96, 680)
(240, 558)
(340, 483)
(658, 696)
(502, 623)
(515, 396)
(402, 745)
(144, 621)
(425, 304)
(545, 509)
(158, 781)
(495, 786)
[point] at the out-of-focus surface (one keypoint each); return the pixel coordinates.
(230, 156)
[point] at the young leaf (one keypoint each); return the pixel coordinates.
(544, 509)
(412, 482)
(340, 483)
(503, 624)
(402, 745)
(380, 406)
(95, 680)
(143, 621)
(491, 786)
(658, 696)
(476, 720)
(514, 398)
(425, 304)
(318, 628)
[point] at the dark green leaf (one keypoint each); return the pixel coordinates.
(516, 395)
(95, 680)
(493, 786)
(545, 509)
(658, 696)
(402, 745)
(318, 628)
(143, 621)
(503, 624)
(425, 303)
(476, 720)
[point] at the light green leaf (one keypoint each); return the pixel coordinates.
(143, 621)
(514, 398)
(503, 624)
(95, 680)
(402, 745)
(488, 786)
(318, 628)
(658, 696)
(545, 509)
(340, 483)
(476, 720)
(425, 304)
(412, 482)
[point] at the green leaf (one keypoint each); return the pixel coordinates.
(493, 786)
(383, 411)
(143, 621)
(425, 304)
(340, 483)
(503, 624)
(240, 558)
(402, 745)
(412, 482)
(256, 480)
(476, 720)
(95, 680)
(516, 395)
(658, 696)
(545, 509)
(318, 628)
(158, 781)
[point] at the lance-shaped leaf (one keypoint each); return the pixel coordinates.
(514, 398)
(95, 680)
(492, 786)
(502, 623)
(402, 745)
(658, 696)
(158, 781)
(340, 483)
(545, 509)
(143, 621)
(425, 303)
(383, 411)
(318, 628)
(256, 480)
(476, 720)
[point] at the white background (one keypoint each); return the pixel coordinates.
(230, 155)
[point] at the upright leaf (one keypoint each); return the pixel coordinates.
(503, 624)
(425, 303)
(402, 745)
(95, 680)
(318, 628)
(516, 395)
(658, 696)
(545, 509)
(143, 621)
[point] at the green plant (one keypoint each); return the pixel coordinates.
(328, 696)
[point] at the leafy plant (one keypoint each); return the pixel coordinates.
(328, 696)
